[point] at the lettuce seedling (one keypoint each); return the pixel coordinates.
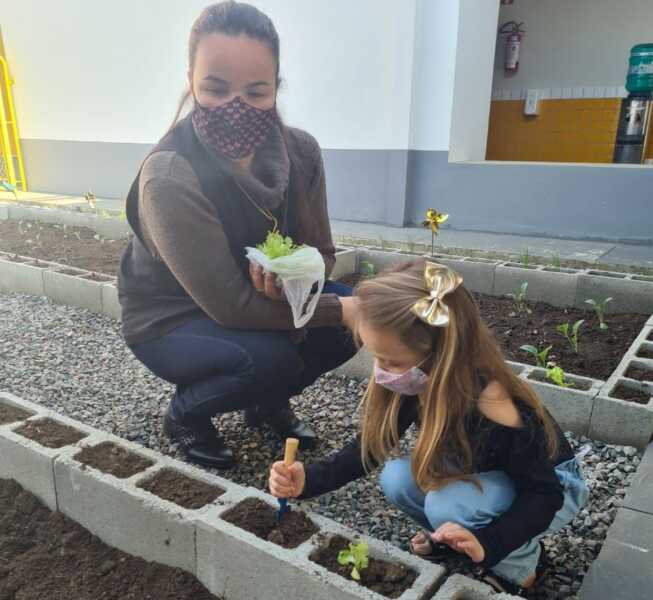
(557, 376)
(573, 337)
(540, 356)
(355, 555)
(599, 309)
(276, 245)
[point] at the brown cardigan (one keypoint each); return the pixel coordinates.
(192, 223)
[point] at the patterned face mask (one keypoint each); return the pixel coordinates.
(236, 129)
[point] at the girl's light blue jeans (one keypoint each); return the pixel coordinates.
(463, 503)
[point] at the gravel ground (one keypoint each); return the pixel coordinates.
(75, 362)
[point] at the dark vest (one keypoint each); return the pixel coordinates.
(143, 275)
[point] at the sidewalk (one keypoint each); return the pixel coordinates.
(419, 239)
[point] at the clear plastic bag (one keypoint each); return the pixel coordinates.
(298, 273)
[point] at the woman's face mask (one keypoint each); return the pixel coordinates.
(408, 383)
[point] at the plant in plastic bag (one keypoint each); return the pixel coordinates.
(298, 268)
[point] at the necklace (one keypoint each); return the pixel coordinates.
(264, 211)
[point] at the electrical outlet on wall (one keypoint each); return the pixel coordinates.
(532, 102)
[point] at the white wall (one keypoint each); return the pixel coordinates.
(572, 43)
(113, 71)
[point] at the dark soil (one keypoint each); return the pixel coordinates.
(11, 414)
(113, 459)
(44, 555)
(184, 491)
(645, 352)
(631, 395)
(650, 336)
(72, 246)
(599, 352)
(259, 518)
(388, 579)
(640, 374)
(51, 434)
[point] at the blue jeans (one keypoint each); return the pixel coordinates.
(463, 503)
(217, 370)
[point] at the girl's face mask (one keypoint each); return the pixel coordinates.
(408, 383)
(235, 129)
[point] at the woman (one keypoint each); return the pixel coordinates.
(195, 312)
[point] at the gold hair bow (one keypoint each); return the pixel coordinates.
(440, 280)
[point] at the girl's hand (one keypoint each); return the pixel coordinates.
(287, 482)
(460, 539)
(266, 283)
(350, 311)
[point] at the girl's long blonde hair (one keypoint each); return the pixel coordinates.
(460, 353)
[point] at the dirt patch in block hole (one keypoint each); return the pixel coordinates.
(645, 352)
(113, 459)
(624, 392)
(258, 517)
(11, 414)
(640, 374)
(51, 434)
(180, 489)
(46, 556)
(385, 578)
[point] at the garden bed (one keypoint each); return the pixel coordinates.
(114, 460)
(186, 492)
(258, 517)
(50, 434)
(43, 554)
(387, 579)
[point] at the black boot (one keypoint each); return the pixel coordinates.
(199, 441)
(284, 423)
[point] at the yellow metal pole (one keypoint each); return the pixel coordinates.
(14, 129)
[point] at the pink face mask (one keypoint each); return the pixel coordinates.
(408, 383)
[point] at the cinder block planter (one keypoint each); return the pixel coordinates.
(110, 304)
(125, 516)
(27, 461)
(570, 407)
(346, 263)
(622, 421)
(557, 288)
(478, 274)
(21, 275)
(629, 293)
(70, 286)
(459, 587)
(238, 565)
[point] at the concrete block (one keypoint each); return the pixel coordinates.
(459, 587)
(226, 554)
(123, 515)
(346, 263)
(624, 566)
(557, 288)
(640, 493)
(628, 294)
(21, 277)
(618, 421)
(31, 464)
(383, 259)
(72, 218)
(111, 228)
(570, 407)
(110, 304)
(72, 290)
(478, 274)
(4, 211)
(357, 367)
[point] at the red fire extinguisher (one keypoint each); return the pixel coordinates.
(514, 33)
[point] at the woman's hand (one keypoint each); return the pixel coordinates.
(460, 539)
(350, 311)
(287, 482)
(266, 283)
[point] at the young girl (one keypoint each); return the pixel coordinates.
(491, 472)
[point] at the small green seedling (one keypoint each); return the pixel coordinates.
(276, 246)
(555, 262)
(540, 356)
(573, 337)
(525, 258)
(557, 376)
(520, 298)
(367, 269)
(599, 309)
(357, 556)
